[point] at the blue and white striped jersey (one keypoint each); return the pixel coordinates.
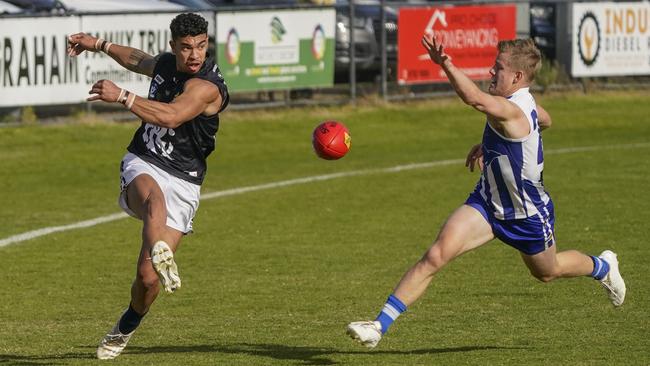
(511, 182)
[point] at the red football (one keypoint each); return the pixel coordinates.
(331, 140)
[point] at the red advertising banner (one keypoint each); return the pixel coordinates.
(469, 35)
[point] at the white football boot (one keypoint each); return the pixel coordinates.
(162, 259)
(613, 282)
(113, 343)
(366, 332)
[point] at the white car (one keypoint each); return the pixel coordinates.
(6, 8)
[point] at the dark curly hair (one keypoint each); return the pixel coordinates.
(188, 24)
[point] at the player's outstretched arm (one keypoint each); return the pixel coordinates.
(543, 118)
(130, 58)
(199, 97)
(497, 108)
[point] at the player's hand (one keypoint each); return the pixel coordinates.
(475, 157)
(104, 90)
(77, 43)
(434, 48)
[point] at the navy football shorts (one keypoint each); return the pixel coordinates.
(531, 235)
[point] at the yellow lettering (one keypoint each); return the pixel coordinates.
(618, 22)
(630, 21)
(643, 20)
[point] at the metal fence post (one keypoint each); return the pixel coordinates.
(353, 71)
(216, 39)
(384, 62)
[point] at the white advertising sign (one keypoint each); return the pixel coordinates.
(34, 66)
(36, 70)
(611, 39)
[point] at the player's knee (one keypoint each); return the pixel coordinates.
(150, 283)
(148, 278)
(434, 258)
(544, 277)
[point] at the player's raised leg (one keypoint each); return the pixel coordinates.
(549, 265)
(465, 229)
(159, 241)
(147, 201)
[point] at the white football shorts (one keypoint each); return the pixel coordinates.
(181, 196)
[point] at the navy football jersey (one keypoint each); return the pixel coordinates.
(181, 151)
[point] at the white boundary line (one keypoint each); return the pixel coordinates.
(316, 178)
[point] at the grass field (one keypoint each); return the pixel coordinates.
(272, 276)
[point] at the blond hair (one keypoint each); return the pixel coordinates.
(524, 56)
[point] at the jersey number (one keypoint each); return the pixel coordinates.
(152, 137)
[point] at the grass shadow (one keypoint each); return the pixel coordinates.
(36, 360)
(302, 355)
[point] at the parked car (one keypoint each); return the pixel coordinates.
(194, 4)
(255, 3)
(542, 27)
(367, 39)
(94, 6)
(38, 6)
(7, 8)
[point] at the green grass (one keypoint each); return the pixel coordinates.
(272, 277)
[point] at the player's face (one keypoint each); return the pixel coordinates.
(190, 52)
(502, 76)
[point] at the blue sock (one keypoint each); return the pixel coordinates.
(129, 320)
(392, 309)
(601, 268)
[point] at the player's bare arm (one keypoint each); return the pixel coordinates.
(130, 58)
(503, 115)
(198, 97)
(543, 118)
(475, 157)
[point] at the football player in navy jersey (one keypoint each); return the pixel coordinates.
(509, 201)
(165, 163)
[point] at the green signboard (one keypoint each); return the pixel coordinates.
(276, 49)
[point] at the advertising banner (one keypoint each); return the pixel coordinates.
(611, 39)
(276, 49)
(35, 68)
(34, 65)
(469, 34)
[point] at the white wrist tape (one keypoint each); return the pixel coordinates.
(130, 100)
(121, 98)
(98, 44)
